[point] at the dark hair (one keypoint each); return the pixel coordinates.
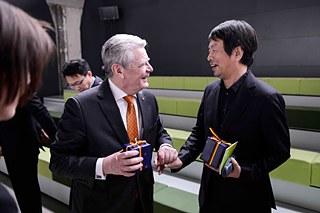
(25, 50)
(75, 66)
(236, 33)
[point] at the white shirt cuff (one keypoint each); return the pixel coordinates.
(165, 144)
(99, 171)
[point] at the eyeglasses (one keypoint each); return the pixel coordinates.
(77, 83)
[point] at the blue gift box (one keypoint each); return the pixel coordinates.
(213, 152)
(144, 151)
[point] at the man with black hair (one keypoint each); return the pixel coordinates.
(78, 75)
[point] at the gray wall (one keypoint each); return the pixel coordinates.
(288, 31)
(40, 10)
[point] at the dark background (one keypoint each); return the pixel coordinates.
(288, 32)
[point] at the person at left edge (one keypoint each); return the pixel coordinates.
(92, 131)
(20, 138)
(20, 68)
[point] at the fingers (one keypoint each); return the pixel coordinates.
(166, 154)
(123, 163)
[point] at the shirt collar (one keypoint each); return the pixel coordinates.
(235, 87)
(116, 91)
(92, 82)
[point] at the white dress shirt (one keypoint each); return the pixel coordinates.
(118, 95)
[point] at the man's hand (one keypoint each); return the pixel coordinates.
(122, 163)
(166, 154)
(235, 173)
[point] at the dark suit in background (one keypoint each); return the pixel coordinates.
(97, 81)
(20, 141)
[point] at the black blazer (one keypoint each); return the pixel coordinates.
(91, 127)
(20, 142)
(257, 121)
(23, 129)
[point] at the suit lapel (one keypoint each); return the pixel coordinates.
(240, 103)
(142, 108)
(111, 112)
(213, 99)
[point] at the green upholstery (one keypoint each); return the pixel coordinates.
(173, 82)
(196, 83)
(310, 86)
(167, 105)
(178, 106)
(288, 86)
(172, 199)
(43, 168)
(297, 169)
(178, 137)
(155, 82)
(55, 114)
(188, 107)
(43, 163)
(315, 171)
(68, 93)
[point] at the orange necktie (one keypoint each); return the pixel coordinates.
(132, 124)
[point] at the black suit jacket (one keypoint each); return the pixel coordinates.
(91, 127)
(20, 142)
(257, 121)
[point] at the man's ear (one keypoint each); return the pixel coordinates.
(117, 70)
(238, 53)
(89, 73)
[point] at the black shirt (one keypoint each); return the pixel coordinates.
(226, 98)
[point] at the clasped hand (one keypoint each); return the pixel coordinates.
(122, 163)
(165, 156)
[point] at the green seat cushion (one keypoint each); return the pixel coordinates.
(297, 168)
(310, 86)
(173, 82)
(43, 168)
(196, 83)
(178, 137)
(178, 106)
(188, 107)
(167, 105)
(285, 85)
(155, 82)
(171, 199)
(68, 93)
(315, 171)
(43, 163)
